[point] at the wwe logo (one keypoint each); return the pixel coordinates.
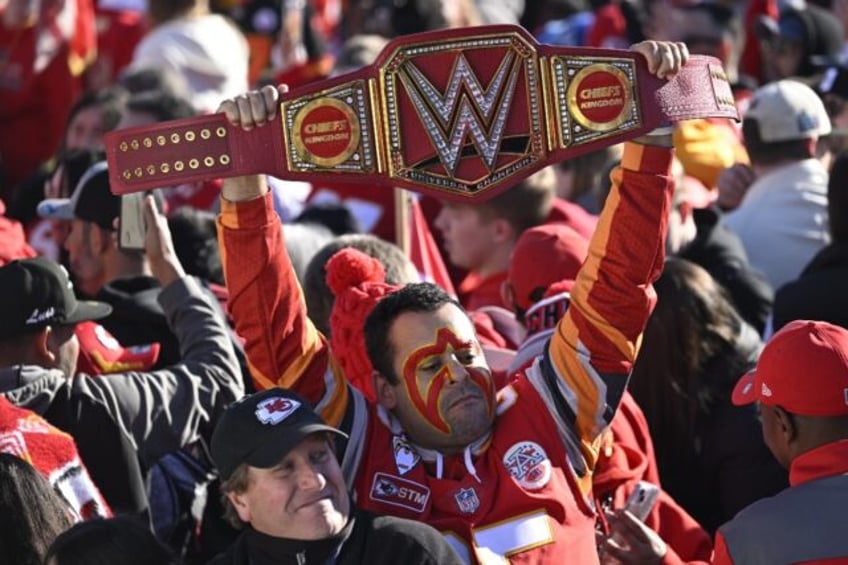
(466, 108)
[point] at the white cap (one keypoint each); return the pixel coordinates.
(787, 110)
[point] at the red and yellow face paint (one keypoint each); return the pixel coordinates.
(427, 400)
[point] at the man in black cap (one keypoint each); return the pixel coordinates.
(282, 482)
(125, 279)
(104, 271)
(794, 41)
(152, 413)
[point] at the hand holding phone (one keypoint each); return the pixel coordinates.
(631, 540)
(641, 501)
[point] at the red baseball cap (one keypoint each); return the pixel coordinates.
(101, 354)
(803, 369)
(542, 256)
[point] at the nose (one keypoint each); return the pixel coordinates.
(457, 372)
(310, 478)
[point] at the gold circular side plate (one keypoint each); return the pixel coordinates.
(303, 142)
(579, 96)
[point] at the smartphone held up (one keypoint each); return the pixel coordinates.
(132, 228)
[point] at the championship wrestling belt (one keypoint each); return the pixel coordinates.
(455, 113)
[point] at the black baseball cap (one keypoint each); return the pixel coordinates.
(813, 28)
(35, 293)
(91, 201)
(260, 429)
(834, 79)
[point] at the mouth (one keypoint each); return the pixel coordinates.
(324, 497)
(464, 401)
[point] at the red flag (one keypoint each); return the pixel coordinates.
(66, 23)
(83, 40)
(423, 251)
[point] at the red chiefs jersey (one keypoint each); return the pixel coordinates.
(521, 502)
(526, 492)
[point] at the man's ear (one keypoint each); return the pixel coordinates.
(503, 231)
(788, 424)
(385, 391)
(240, 504)
(813, 145)
(98, 238)
(44, 347)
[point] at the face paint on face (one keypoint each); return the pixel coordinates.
(428, 401)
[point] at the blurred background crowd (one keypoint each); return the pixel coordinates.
(758, 230)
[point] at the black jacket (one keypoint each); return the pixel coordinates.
(137, 318)
(720, 252)
(728, 466)
(367, 538)
(819, 293)
(154, 412)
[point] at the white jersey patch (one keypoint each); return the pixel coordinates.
(528, 464)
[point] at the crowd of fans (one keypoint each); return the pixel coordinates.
(269, 380)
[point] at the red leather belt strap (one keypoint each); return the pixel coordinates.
(455, 113)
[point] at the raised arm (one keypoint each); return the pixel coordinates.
(164, 410)
(592, 352)
(283, 347)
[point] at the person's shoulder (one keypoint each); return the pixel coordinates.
(389, 531)
(390, 525)
(30, 385)
(235, 554)
(766, 514)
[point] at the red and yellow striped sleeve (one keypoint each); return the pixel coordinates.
(283, 348)
(593, 349)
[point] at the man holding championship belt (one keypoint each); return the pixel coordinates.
(461, 114)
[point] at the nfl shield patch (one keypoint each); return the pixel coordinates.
(466, 499)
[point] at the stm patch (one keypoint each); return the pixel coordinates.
(396, 491)
(528, 464)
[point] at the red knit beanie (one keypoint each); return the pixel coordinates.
(358, 281)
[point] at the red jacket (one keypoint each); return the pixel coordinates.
(619, 469)
(476, 292)
(34, 106)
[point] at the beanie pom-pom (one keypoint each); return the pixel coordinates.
(350, 267)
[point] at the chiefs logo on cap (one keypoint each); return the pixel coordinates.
(275, 410)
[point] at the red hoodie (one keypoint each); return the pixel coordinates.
(620, 467)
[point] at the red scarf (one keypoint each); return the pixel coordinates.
(53, 453)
